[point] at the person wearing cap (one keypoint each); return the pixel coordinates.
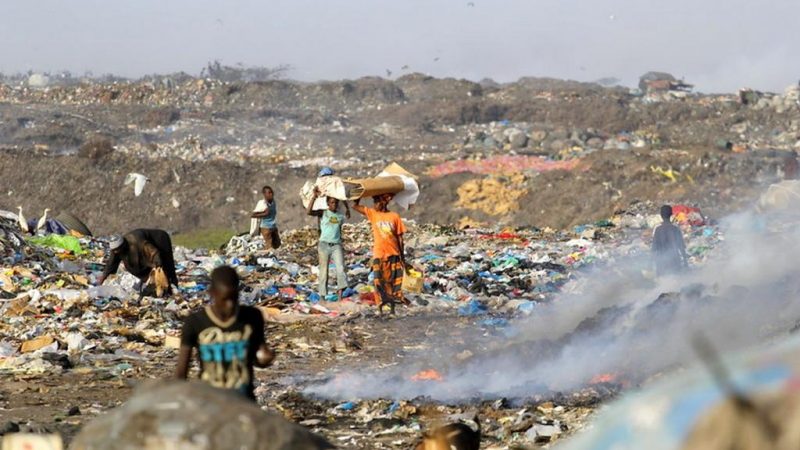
(325, 172)
(141, 251)
(330, 244)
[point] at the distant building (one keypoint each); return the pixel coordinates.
(662, 82)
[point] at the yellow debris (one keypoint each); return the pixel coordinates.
(495, 196)
(673, 175)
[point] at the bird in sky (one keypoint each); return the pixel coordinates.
(23, 224)
(42, 220)
(471, 4)
(138, 181)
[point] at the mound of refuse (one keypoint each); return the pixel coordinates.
(181, 415)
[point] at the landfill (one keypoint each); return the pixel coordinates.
(57, 325)
(569, 140)
(536, 205)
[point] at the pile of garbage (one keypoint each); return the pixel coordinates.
(788, 101)
(12, 242)
(559, 141)
(55, 321)
(194, 92)
(195, 149)
(175, 406)
(385, 424)
(52, 302)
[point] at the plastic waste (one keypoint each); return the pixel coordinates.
(346, 406)
(472, 308)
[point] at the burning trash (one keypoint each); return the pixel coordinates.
(427, 375)
(603, 378)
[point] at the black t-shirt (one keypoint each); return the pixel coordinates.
(226, 350)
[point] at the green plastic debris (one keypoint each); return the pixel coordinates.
(698, 250)
(69, 243)
(505, 262)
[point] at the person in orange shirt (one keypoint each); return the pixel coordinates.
(389, 262)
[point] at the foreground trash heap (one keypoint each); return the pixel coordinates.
(54, 321)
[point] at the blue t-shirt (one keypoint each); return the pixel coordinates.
(330, 226)
(269, 220)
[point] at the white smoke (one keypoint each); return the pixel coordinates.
(744, 295)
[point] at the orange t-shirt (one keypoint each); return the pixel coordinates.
(386, 226)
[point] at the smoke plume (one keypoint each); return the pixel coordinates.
(615, 321)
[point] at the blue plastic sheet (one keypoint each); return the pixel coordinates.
(472, 308)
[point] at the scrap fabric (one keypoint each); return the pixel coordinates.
(502, 165)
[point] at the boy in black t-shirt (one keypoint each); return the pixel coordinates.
(229, 338)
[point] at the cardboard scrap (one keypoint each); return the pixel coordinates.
(390, 181)
(370, 187)
(172, 342)
(19, 307)
(36, 344)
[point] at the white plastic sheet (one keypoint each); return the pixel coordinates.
(261, 206)
(330, 186)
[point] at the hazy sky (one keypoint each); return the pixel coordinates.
(720, 45)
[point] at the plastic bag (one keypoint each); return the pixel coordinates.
(69, 243)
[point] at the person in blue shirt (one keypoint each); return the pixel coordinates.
(330, 243)
(267, 212)
(327, 172)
